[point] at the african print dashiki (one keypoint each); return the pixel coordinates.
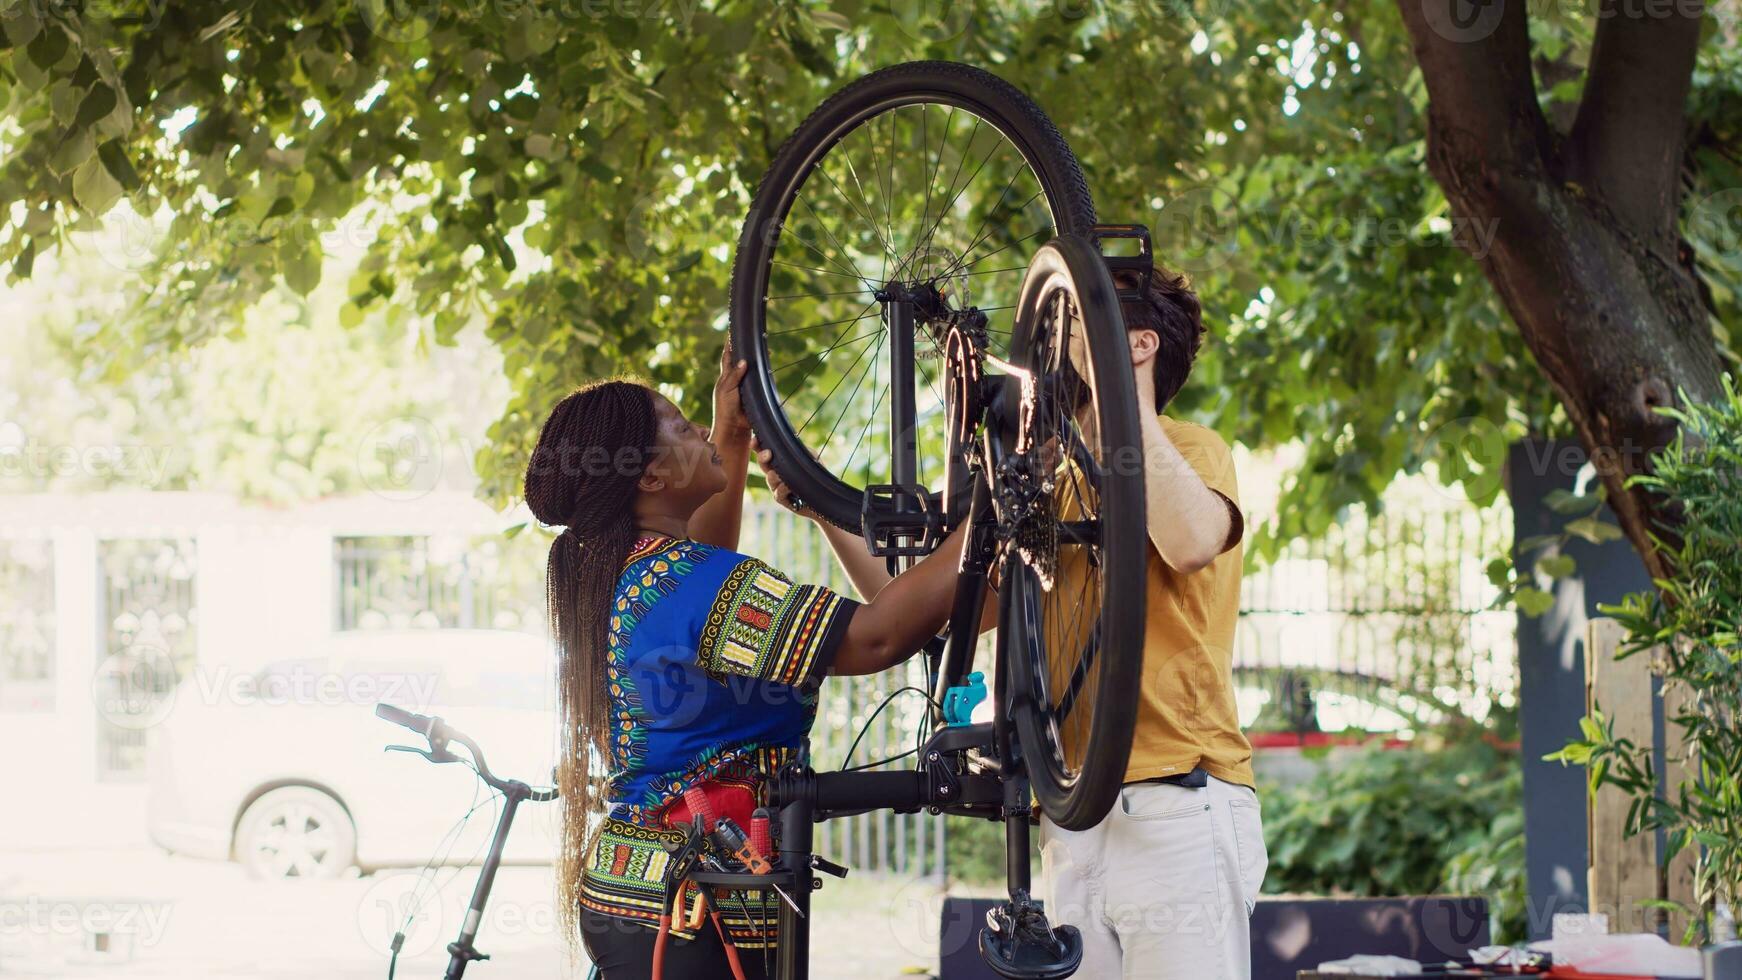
(714, 663)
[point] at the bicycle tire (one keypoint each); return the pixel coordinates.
(987, 96)
(1081, 799)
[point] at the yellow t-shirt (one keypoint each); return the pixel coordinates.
(1186, 714)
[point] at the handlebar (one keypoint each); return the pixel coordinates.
(440, 733)
(421, 724)
(901, 790)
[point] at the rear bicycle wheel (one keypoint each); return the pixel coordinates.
(915, 192)
(1066, 467)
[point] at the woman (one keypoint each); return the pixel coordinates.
(682, 663)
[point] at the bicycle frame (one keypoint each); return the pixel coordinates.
(967, 769)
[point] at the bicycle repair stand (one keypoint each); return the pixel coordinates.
(959, 775)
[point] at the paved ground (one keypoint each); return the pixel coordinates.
(138, 914)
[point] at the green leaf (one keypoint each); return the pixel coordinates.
(1567, 502)
(1594, 530)
(48, 47)
(1557, 566)
(97, 103)
(94, 187)
(300, 262)
(1533, 601)
(21, 23)
(74, 150)
(1500, 572)
(832, 21)
(114, 158)
(26, 260)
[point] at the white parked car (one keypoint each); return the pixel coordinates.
(284, 770)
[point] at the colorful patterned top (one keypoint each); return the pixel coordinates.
(714, 662)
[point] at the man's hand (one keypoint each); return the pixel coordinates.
(731, 427)
(776, 483)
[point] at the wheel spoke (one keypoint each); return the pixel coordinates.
(983, 233)
(870, 367)
(955, 193)
(875, 233)
(825, 399)
(863, 313)
(845, 252)
(825, 351)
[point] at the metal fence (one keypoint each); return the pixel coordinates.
(145, 643)
(451, 582)
(27, 625)
(1384, 624)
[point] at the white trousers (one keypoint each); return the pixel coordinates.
(1163, 888)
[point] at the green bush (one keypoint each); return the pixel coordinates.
(1447, 820)
(1413, 821)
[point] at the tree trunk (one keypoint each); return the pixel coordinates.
(1578, 233)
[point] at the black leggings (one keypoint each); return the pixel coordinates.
(623, 950)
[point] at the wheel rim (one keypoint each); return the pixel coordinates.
(296, 840)
(863, 221)
(1057, 557)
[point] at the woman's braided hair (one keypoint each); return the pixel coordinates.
(583, 475)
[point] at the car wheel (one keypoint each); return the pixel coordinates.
(296, 832)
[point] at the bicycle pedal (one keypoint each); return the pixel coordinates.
(899, 521)
(1018, 943)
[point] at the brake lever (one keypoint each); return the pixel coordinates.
(437, 757)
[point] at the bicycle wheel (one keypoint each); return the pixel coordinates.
(1067, 488)
(908, 194)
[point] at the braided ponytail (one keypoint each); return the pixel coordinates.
(583, 475)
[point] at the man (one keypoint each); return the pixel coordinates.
(1164, 886)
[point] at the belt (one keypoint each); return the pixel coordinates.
(1198, 778)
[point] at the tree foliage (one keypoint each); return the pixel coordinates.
(570, 174)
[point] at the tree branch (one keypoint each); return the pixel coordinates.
(1482, 108)
(1626, 143)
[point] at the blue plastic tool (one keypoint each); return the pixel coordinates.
(960, 701)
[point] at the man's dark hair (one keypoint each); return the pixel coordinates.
(1170, 308)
